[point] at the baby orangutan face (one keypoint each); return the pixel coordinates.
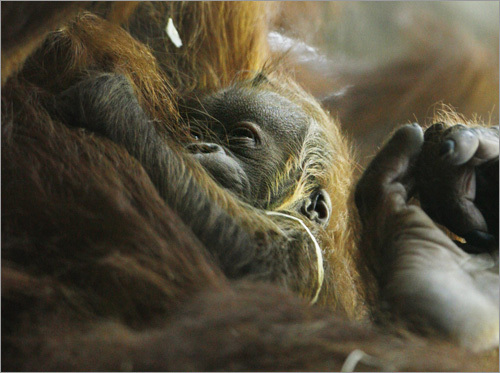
(247, 140)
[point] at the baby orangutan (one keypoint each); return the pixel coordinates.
(189, 209)
(245, 136)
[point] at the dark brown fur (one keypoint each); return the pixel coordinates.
(98, 271)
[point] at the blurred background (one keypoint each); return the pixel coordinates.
(376, 65)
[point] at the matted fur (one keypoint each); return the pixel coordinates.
(98, 273)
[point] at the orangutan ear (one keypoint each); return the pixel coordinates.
(317, 207)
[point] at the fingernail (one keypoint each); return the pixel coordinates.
(439, 126)
(447, 147)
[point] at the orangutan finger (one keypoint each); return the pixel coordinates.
(476, 145)
(386, 183)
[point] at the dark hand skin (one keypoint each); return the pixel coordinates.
(425, 278)
(457, 181)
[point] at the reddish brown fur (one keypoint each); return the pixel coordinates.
(138, 290)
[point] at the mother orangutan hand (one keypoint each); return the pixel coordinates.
(424, 276)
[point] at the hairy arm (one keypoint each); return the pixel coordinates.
(250, 328)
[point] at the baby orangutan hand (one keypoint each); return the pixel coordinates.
(425, 278)
(457, 182)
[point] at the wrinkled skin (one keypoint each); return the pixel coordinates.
(457, 179)
(425, 278)
(245, 137)
(248, 129)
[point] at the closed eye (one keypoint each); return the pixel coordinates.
(244, 133)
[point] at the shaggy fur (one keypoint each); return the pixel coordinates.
(101, 272)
